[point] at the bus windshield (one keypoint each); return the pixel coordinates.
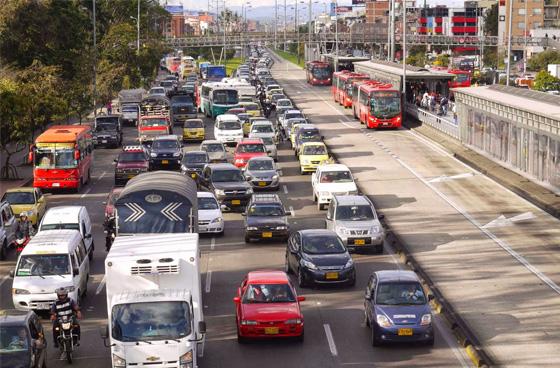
(461, 78)
(225, 97)
(386, 104)
(321, 72)
(54, 156)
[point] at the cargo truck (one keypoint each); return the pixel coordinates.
(154, 301)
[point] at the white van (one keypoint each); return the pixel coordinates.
(52, 259)
(228, 129)
(70, 218)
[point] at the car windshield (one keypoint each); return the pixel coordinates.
(153, 122)
(215, 147)
(265, 210)
(309, 134)
(43, 265)
(181, 99)
(132, 157)
(354, 213)
(461, 77)
(268, 293)
(55, 156)
(157, 91)
(293, 115)
(283, 103)
(227, 176)
(145, 321)
(336, 177)
(264, 128)
(225, 97)
(207, 203)
(194, 124)
(275, 98)
(166, 144)
(400, 293)
(314, 150)
(260, 165)
(323, 244)
(251, 148)
(130, 109)
(321, 72)
(13, 339)
(251, 107)
(268, 141)
(19, 198)
(195, 158)
(229, 125)
(60, 226)
(105, 126)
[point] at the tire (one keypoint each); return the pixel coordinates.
(320, 206)
(287, 268)
(301, 279)
(3, 251)
(368, 324)
(430, 342)
(301, 337)
(241, 339)
(247, 239)
(374, 340)
(314, 198)
(68, 349)
(90, 255)
(352, 282)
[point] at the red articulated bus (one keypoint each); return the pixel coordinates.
(462, 78)
(318, 73)
(337, 84)
(345, 93)
(356, 94)
(380, 105)
(62, 157)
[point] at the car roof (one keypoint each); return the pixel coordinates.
(250, 141)
(228, 117)
(210, 141)
(309, 127)
(292, 111)
(334, 167)
(261, 158)
(305, 144)
(195, 153)
(166, 137)
(352, 200)
(316, 232)
(261, 122)
(59, 214)
(14, 317)
(223, 166)
(267, 277)
(205, 195)
(21, 190)
(396, 275)
(52, 242)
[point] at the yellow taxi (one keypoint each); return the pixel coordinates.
(252, 108)
(311, 155)
(193, 130)
(273, 92)
(294, 131)
(27, 199)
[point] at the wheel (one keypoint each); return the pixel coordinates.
(287, 268)
(352, 282)
(3, 251)
(314, 198)
(320, 206)
(301, 279)
(301, 337)
(430, 342)
(247, 239)
(241, 339)
(79, 187)
(68, 350)
(367, 319)
(374, 340)
(90, 255)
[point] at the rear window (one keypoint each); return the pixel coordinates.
(229, 125)
(251, 148)
(194, 124)
(132, 157)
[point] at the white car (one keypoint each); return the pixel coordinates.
(228, 129)
(329, 180)
(210, 218)
(157, 91)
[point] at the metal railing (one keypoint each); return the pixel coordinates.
(444, 124)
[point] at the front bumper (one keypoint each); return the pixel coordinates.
(234, 203)
(265, 233)
(170, 163)
(205, 227)
(266, 330)
(419, 333)
(124, 177)
(38, 302)
(338, 276)
(229, 139)
(183, 117)
(193, 135)
(365, 242)
(265, 184)
(105, 141)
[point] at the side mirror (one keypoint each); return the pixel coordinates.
(104, 331)
(329, 217)
(88, 236)
(431, 297)
(288, 213)
(322, 137)
(12, 273)
(223, 207)
(237, 300)
(114, 161)
(76, 271)
(201, 327)
(381, 217)
(300, 298)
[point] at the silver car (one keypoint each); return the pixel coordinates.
(354, 219)
(215, 149)
(261, 173)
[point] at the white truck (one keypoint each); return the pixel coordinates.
(329, 180)
(154, 301)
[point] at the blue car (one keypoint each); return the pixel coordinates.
(397, 309)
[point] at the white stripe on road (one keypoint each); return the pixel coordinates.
(208, 281)
(451, 342)
(330, 339)
(346, 124)
(212, 243)
(285, 188)
(86, 192)
(100, 287)
(292, 211)
(91, 185)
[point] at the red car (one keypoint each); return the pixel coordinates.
(267, 306)
(248, 148)
(236, 111)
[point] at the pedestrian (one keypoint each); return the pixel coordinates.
(432, 103)
(109, 108)
(444, 104)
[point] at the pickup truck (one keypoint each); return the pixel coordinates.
(329, 180)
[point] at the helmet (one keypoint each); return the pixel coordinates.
(61, 291)
(23, 214)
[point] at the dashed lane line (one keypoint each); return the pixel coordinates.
(330, 339)
(207, 284)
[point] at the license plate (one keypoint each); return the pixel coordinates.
(104, 141)
(271, 330)
(55, 184)
(130, 176)
(359, 241)
(235, 201)
(193, 176)
(405, 332)
(164, 162)
(267, 235)
(385, 124)
(43, 306)
(331, 276)
(262, 184)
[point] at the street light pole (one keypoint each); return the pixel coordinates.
(309, 30)
(510, 14)
(336, 35)
(392, 32)
(525, 48)
(404, 51)
(138, 30)
(94, 62)
(285, 23)
(275, 24)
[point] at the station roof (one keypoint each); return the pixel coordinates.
(396, 69)
(342, 58)
(538, 103)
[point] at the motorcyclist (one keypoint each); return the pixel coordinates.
(25, 228)
(65, 306)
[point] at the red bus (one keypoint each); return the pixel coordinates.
(337, 83)
(318, 73)
(462, 78)
(356, 94)
(380, 106)
(62, 157)
(345, 93)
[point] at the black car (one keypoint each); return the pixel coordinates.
(307, 134)
(193, 162)
(133, 160)
(265, 218)
(166, 153)
(22, 340)
(228, 184)
(319, 257)
(107, 131)
(182, 108)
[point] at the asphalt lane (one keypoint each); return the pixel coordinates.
(335, 332)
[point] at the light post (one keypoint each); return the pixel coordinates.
(285, 23)
(275, 24)
(525, 39)
(94, 62)
(404, 51)
(336, 35)
(138, 30)
(510, 14)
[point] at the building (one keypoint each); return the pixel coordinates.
(377, 12)
(526, 15)
(551, 14)
(175, 28)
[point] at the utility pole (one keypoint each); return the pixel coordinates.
(285, 23)
(138, 30)
(525, 48)
(510, 14)
(94, 62)
(296, 24)
(309, 31)
(392, 31)
(404, 51)
(275, 24)
(336, 35)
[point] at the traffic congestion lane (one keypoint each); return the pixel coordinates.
(440, 209)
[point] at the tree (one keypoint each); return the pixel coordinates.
(491, 21)
(540, 61)
(544, 81)
(442, 60)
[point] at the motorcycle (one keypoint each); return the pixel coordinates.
(67, 340)
(21, 243)
(109, 232)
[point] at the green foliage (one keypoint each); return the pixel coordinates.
(540, 61)
(442, 60)
(291, 57)
(491, 21)
(544, 81)
(418, 59)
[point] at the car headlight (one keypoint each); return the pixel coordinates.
(153, 154)
(216, 220)
(248, 322)
(118, 362)
(251, 228)
(383, 321)
(70, 289)
(250, 191)
(305, 162)
(274, 177)
(343, 231)
(239, 160)
(119, 171)
(426, 320)
(282, 227)
(219, 192)
(20, 291)
(375, 229)
(295, 321)
(177, 154)
(185, 361)
(308, 264)
(325, 194)
(349, 264)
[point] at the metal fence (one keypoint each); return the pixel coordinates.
(444, 124)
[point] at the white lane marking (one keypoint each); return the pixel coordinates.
(285, 188)
(451, 342)
(86, 192)
(4, 279)
(330, 339)
(100, 287)
(502, 221)
(212, 243)
(348, 125)
(391, 252)
(208, 281)
(224, 244)
(452, 177)
(502, 243)
(292, 211)
(91, 185)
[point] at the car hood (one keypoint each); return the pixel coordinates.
(164, 151)
(216, 155)
(266, 312)
(105, 132)
(266, 220)
(328, 259)
(268, 174)
(403, 314)
(368, 224)
(232, 185)
(262, 135)
(337, 187)
(247, 156)
(132, 165)
(18, 359)
(208, 215)
(19, 208)
(38, 285)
